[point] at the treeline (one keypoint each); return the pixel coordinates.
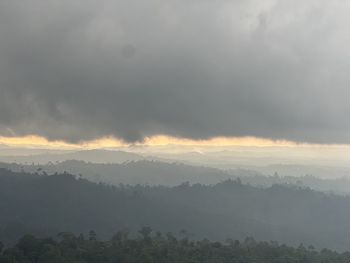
(157, 248)
(133, 172)
(45, 205)
(172, 174)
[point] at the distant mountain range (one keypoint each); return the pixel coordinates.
(224, 160)
(95, 156)
(151, 172)
(142, 172)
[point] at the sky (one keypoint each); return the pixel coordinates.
(118, 71)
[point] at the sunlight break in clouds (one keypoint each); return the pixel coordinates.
(82, 70)
(159, 140)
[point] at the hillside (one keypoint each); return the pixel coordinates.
(96, 156)
(146, 172)
(155, 247)
(50, 204)
(134, 172)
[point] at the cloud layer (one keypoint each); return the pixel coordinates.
(79, 70)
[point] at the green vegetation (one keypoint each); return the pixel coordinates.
(155, 247)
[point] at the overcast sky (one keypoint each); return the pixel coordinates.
(84, 69)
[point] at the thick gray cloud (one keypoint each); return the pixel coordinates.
(82, 69)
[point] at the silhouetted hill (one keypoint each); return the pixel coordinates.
(338, 185)
(154, 247)
(50, 204)
(96, 156)
(139, 172)
(171, 174)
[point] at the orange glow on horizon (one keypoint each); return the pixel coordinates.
(34, 141)
(160, 140)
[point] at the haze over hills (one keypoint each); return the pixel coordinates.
(96, 156)
(228, 119)
(145, 172)
(8, 152)
(142, 172)
(247, 158)
(45, 205)
(294, 170)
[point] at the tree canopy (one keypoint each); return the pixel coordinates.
(154, 247)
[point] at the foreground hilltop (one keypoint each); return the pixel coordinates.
(159, 248)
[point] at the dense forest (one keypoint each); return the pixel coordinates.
(45, 205)
(149, 247)
(133, 172)
(172, 174)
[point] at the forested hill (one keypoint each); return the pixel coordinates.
(172, 174)
(133, 172)
(46, 205)
(151, 247)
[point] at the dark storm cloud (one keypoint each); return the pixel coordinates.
(78, 70)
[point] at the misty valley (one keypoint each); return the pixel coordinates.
(174, 131)
(199, 207)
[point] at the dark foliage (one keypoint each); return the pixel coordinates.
(44, 205)
(155, 247)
